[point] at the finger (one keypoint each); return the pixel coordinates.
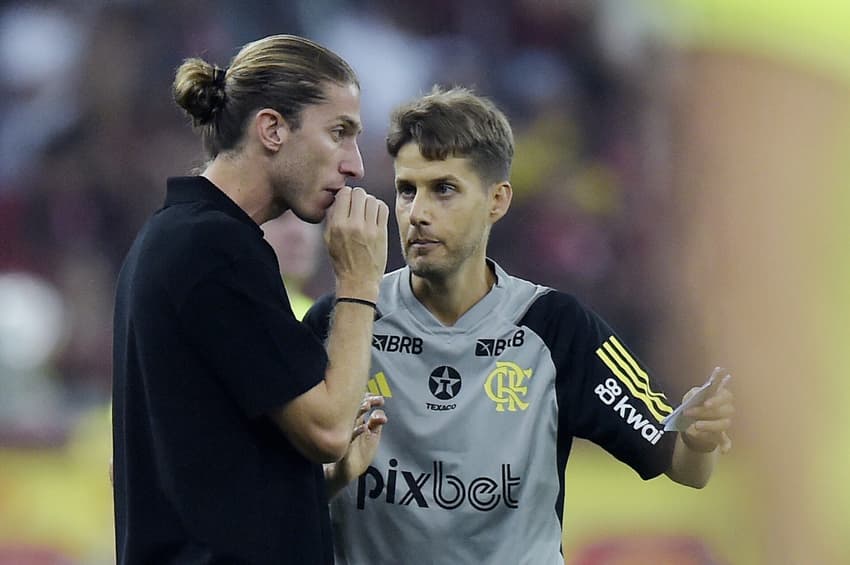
(377, 419)
(723, 397)
(362, 409)
(726, 443)
(358, 203)
(711, 413)
(717, 440)
(370, 401)
(719, 378)
(374, 400)
(371, 211)
(715, 426)
(715, 380)
(383, 213)
(342, 203)
(717, 374)
(358, 431)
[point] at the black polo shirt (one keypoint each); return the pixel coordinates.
(205, 346)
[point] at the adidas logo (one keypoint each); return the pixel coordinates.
(378, 385)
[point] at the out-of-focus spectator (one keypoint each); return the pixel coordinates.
(32, 327)
(298, 246)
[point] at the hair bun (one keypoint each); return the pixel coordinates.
(199, 88)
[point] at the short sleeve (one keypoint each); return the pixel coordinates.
(243, 328)
(614, 401)
(605, 394)
(318, 317)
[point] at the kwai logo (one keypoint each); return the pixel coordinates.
(447, 491)
(609, 392)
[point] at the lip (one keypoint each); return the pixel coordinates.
(332, 193)
(422, 244)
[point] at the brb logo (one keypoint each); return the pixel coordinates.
(447, 491)
(610, 392)
(505, 386)
(397, 344)
(494, 347)
(444, 383)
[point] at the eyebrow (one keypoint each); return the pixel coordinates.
(445, 178)
(350, 123)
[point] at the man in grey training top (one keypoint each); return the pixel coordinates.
(488, 378)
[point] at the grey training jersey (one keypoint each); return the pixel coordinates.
(482, 414)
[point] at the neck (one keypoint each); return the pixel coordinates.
(243, 181)
(449, 298)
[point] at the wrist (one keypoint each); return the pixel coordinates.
(339, 475)
(358, 291)
(360, 301)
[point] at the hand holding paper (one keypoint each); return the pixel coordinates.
(705, 414)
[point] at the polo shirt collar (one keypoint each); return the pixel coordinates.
(184, 190)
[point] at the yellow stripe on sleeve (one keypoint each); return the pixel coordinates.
(638, 375)
(648, 401)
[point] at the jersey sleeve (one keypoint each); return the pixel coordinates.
(250, 339)
(605, 393)
(318, 317)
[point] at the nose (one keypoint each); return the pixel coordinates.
(352, 163)
(419, 211)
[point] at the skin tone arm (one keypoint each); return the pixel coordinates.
(698, 447)
(364, 444)
(318, 423)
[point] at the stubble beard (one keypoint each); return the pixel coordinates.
(440, 269)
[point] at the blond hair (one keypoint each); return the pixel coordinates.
(281, 72)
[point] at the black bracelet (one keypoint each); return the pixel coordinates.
(362, 301)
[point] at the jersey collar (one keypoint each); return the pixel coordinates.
(480, 312)
(184, 190)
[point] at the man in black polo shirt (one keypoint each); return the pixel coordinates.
(225, 406)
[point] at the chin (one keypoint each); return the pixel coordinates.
(425, 269)
(311, 216)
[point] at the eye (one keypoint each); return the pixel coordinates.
(445, 188)
(338, 133)
(406, 190)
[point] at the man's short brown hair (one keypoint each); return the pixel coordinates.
(456, 123)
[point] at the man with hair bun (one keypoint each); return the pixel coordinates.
(225, 407)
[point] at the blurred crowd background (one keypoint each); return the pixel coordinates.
(683, 166)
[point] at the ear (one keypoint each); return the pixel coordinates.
(271, 129)
(500, 200)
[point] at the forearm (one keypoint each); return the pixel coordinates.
(691, 467)
(319, 422)
(349, 348)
